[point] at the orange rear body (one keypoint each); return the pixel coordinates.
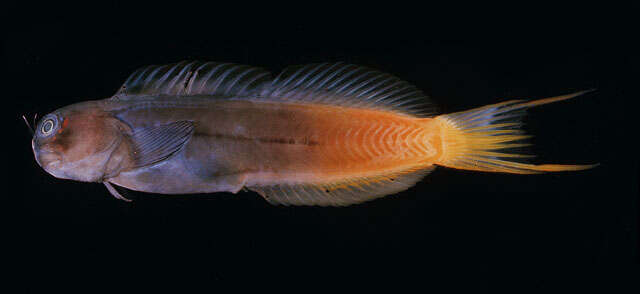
(325, 144)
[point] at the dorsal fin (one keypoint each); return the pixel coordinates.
(324, 83)
(194, 78)
(348, 85)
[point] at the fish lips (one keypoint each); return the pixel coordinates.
(49, 160)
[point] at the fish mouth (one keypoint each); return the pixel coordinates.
(52, 164)
(55, 169)
(47, 159)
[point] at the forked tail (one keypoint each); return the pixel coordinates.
(476, 139)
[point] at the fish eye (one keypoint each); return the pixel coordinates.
(47, 126)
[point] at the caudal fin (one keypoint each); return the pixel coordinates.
(477, 139)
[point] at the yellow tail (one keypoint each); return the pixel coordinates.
(475, 139)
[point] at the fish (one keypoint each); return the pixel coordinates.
(325, 134)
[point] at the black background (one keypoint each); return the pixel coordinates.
(455, 228)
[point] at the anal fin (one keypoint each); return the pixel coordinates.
(343, 193)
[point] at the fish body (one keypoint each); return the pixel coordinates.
(325, 134)
(238, 143)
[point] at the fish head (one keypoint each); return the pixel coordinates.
(81, 142)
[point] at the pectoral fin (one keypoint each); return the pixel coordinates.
(157, 143)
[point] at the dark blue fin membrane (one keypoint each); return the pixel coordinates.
(348, 85)
(194, 78)
(325, 83)
(347, 192)
(157, 143)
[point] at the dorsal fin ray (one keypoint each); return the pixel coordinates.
(190, 78)
(348, 85)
